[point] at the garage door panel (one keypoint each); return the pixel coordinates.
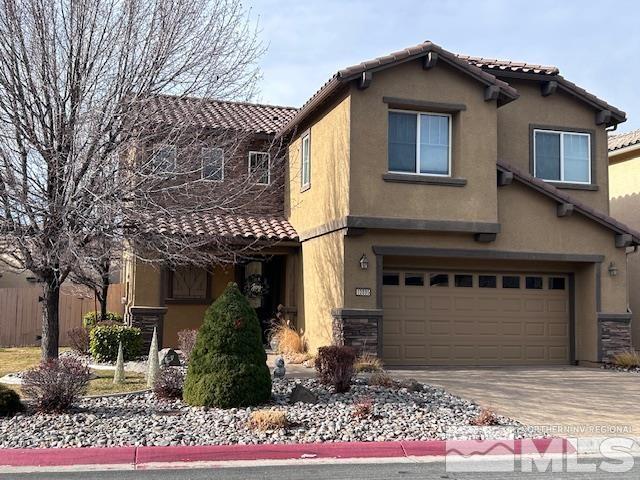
(415, 302)
(449, 325)
(534, 305)
(415, 327)
(465, 303)
(440, 303)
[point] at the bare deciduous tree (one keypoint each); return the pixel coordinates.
(78, 79)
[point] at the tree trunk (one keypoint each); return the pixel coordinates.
(50, 318)
(103, 300)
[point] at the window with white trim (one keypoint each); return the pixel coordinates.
(260, 167)
(562, 156)
(213, 164)
(419, 143)
(164, 158)
(305, 177)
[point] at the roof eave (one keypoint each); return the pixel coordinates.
(617, 116)
(564, 198)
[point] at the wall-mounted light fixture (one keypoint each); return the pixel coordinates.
(364, 262)
(613, 270)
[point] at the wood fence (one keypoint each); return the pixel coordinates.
(21, 312)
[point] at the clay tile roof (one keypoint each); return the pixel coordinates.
(623, 140)
(509, 65)
(558, 195)
(201, 112)
(341, 77)
(231, 226)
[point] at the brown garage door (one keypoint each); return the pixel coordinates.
(459, 318)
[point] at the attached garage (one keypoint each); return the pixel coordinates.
(434, 317)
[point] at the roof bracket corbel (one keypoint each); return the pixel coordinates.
(365, 80)
(603, 117)
(485, 237)
(624, 240)
(504, 178)
(491, 93)
(548, 88)
(565, 209)
(429, 60)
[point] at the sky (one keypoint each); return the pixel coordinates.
(595, 44)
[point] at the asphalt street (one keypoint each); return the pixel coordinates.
(350, 471)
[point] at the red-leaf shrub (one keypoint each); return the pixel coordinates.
(55, 385)
(79, 340)
(186, 342)
(169, 383)
(335, 366)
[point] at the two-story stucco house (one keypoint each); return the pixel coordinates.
(437, 209)
(624, 194)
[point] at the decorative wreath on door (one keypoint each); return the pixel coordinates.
(256, 286)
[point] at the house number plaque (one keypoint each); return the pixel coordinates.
(363, 292)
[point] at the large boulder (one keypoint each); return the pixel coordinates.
(228, 366)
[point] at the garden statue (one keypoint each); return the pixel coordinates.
(279, 371)
(118, 376)
(153, 364)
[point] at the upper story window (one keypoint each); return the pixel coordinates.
(305, 177)
(419, 143)
(164, 159)
(213, 164)
(562, 156)
(260, 167)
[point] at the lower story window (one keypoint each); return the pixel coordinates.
(188, 283)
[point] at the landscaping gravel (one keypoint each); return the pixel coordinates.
(618, 368)
(141, 419)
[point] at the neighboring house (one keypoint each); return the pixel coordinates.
(624, 196)
(437, 209)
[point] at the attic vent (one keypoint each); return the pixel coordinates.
(275, 117)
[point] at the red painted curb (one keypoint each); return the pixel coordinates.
(222, 453)
(57, 457)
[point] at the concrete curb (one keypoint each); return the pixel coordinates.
(603, 445)
(138, 457)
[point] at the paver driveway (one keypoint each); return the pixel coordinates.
(558, 396)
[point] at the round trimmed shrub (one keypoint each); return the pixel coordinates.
(91, 319)
(104, 339)
(10, 403)
(228, 366)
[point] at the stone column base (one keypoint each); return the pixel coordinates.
(146, 318)
(614, 335)
(358, 328)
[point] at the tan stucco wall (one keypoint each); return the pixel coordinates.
(189, 316)
(146, 292)
(323, 279)
(558, 110)
(529, 224)
(327, 198)
(624, 191)
(474, 148)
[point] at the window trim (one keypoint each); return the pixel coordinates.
(590, 134)
(268, 166)
(202, 175)
(160, 146)
(168, 289)
(305, 186)
(449, 173)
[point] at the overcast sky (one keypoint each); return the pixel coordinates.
(595, 44)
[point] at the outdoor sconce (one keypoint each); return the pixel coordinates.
(613, 270)
(364, 262)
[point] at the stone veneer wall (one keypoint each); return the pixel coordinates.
(146, 318)
(614, 335)
(358, 329)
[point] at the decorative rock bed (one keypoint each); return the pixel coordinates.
(618, 368)
(141, 419)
